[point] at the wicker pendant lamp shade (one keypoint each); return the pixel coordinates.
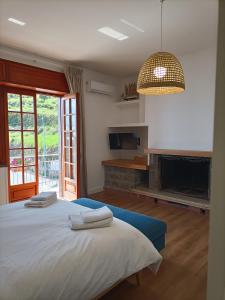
(161, 73)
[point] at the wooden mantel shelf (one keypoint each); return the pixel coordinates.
(192, 153)
(126, 163)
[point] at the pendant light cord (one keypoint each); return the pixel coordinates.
(161, 42)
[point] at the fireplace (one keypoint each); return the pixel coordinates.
(179, 176)
(185, 175)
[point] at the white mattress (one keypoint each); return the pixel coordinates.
(42, 258)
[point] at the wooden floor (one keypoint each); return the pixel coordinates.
(183, 273)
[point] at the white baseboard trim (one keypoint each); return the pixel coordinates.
(94, 190)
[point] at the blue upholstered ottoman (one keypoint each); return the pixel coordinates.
(153, 229)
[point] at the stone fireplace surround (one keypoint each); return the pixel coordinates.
(156, 189)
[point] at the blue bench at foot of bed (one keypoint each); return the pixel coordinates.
(153, 229)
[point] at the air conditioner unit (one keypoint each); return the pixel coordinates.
(100, 88)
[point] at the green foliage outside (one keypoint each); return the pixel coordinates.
(47, 121)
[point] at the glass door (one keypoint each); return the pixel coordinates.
(22, 144)
(70, 142)
(48, 127)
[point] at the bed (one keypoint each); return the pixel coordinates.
(41, 258)
(154, 229)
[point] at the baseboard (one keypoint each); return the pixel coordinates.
(94, 190)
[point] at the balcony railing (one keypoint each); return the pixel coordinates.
(48, 172)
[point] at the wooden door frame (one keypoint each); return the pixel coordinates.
(20, 91)
(4, 132)
(27, 78)
(78, 144)
(3, 128)
(77, 97)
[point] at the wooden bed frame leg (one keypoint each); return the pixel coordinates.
(138, 278)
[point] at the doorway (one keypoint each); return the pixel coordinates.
(42, 144)
(48, 131)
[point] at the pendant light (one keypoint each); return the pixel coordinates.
(161, 73)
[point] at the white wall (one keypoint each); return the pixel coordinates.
(100, 111)
(185, 121)
(127, 114)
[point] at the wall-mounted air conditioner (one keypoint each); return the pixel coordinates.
(100, 88)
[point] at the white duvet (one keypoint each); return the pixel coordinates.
(42, 258)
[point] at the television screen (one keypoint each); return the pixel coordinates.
(126, 141)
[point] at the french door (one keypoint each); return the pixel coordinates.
(70, 148)
(22, 143)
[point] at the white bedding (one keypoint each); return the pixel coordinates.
(42, 258)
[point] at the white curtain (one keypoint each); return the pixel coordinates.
(4, 197)
(74, 77)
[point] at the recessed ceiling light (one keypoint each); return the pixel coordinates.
(18, 22)
(113, 33)
(132, 25)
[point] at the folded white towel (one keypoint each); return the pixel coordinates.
(77, 223)
(96, 214)
(44, 196)
(39, 203)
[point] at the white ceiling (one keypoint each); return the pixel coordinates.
(67, 30)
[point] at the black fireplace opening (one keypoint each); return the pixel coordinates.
(185, 175)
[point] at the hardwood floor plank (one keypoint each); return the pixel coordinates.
(183, 273)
